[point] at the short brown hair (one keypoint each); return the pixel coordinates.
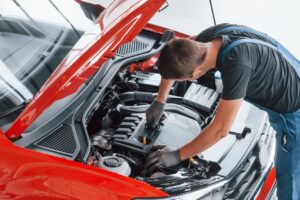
(179, 58)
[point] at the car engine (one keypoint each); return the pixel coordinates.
(119, 134)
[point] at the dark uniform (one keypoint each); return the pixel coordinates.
(256, 67)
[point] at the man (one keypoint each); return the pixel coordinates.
(253, 67)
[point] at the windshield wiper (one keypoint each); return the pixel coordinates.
(14, 109)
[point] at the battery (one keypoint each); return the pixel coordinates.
(201, 97)
(149, 81)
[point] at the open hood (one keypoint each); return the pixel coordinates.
(119, 23)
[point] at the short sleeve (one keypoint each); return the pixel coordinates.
(235, 78)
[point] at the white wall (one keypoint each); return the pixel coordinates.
(278, 18)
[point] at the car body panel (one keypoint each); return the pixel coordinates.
(118, 24)
(26, 174)
(161, 30)
(268, 186)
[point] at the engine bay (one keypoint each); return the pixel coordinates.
(104, 125)
(118, 130)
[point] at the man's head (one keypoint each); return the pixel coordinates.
(180, 58)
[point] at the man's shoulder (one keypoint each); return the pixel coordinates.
(238, 54)
(210, 33)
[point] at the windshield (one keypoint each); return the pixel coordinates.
(34, 38)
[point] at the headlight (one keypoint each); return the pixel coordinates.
(215, 191)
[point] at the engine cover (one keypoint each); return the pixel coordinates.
(175, 131)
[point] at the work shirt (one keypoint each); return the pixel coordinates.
(255, 71)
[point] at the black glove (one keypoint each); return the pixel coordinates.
(154, 113)
(166, 157)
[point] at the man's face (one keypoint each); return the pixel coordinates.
(184, 79)
(197, 73)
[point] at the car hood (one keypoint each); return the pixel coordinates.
(119, 23)
(27, 174)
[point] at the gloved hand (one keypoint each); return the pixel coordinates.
(154, 113)
(166, 157)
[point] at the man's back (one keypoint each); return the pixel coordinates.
(257, 72)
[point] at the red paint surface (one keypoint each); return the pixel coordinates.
(144, 65)
(268, 185)
(118, 24)
(26, 174)
(161, 30)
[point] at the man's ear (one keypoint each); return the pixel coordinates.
(198, 72)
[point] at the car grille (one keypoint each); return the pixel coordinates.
(61, 141)
(247, 178)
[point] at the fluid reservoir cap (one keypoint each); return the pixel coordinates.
(115, 164)
(112, 162)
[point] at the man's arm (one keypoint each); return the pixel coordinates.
(219, 128)
(164, 89)
(156, 109)
(235, 79)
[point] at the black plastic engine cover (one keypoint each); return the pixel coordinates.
(175, 131)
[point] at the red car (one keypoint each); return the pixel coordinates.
(72, 114)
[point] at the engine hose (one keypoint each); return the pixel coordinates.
(168, 107)
(133, 97)
(148, 97)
